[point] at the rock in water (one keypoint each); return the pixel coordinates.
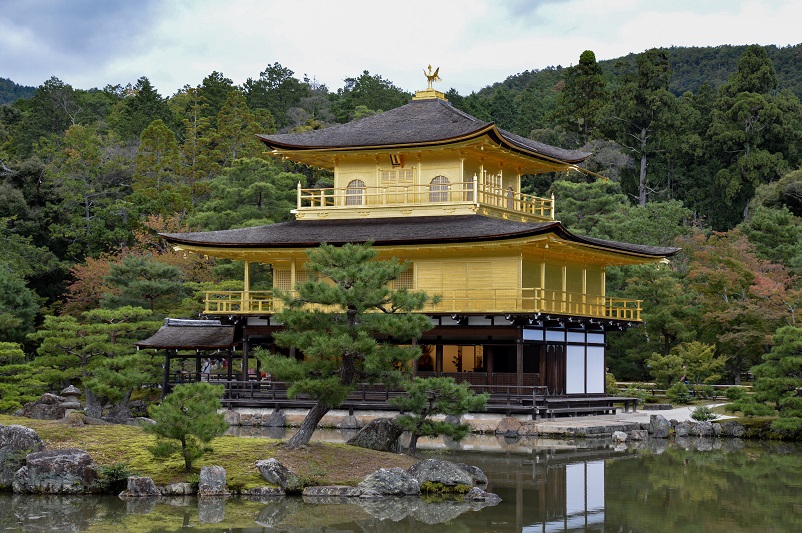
(659, 427)
(278, 474)
(439, 471)
(392, 481)
(140, 487)
(212, 481)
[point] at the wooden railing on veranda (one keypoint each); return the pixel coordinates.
(497, 301)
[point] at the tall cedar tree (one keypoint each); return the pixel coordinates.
(436, 396)
(336, 320)
(582, 98)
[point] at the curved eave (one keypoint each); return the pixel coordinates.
(493, 133)
(199, 244)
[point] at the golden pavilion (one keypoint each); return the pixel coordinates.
(523, 302)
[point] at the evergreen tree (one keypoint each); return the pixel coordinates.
(157, 185)
(779, 377)
(236, 131)
(19, 381)
(336, 320)
(139, 280)
(190, 416)
(73, 350)
(582, 98)
(640, 117)
(430, 397)
(755, 134)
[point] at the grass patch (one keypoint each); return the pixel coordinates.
(320, 463)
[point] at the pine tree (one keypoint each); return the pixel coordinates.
(436, 396)
(335, 320)
(188, 415)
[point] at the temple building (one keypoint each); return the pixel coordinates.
(523, 302)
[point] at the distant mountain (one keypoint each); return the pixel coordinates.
(10, 91)
(692, 66)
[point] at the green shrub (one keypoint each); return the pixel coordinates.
(678, 393)
(634, 392)
(748, 406)
(114, 478)
(703, 413)
(735, 393)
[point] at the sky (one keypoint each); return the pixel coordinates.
(475, 43)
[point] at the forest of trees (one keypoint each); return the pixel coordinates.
(700, 148)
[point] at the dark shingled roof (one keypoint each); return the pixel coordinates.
(191, 335)
(390, 231)
(419, 122)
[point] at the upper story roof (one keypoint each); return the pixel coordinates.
(419, 123)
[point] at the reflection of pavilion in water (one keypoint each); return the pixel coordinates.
(553, 489)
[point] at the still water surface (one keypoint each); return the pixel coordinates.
(546, 485)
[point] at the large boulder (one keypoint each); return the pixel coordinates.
(212, 481)
(15, 443)
(278, 474)
(67, 471)
(392, 481)
(659, 427)
(379, 434)
(440, 472)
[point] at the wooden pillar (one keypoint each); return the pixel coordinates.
(488, 350)
(244, 358)
(438, 358)
(246, 283)
(197, 366)
(519, 362)
(166, 379)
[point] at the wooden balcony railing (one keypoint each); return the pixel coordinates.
(458, 301)
(467, 192)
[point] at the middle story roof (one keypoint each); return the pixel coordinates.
(433, 230)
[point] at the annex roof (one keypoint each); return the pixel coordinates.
(397, 231)
(416, 124)
(177, 334)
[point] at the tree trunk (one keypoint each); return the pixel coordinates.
(308, 426)
(643, 165)
(413, 444)
(93, 407)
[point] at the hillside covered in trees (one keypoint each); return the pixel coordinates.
(699, 148)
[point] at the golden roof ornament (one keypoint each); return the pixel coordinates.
(432, 77)
(430, 93)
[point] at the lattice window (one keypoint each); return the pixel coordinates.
(282, 279)
(405, 280)
(398, 177)
(354, 192)
(438, 189)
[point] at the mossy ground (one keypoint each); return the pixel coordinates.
(320, 463)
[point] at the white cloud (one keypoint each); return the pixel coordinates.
(474, 42)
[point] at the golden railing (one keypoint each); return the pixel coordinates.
(466, 192)
(459, 301)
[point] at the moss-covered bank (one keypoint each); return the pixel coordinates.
(319, 463)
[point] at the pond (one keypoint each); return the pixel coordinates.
(547, 485)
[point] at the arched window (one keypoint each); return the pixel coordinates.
(438, 189)
(354, 192)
